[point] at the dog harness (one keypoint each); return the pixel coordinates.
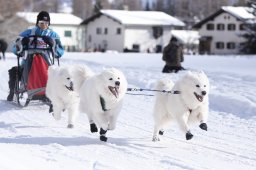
(103, 104)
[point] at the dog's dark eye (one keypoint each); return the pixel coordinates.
(68, 78)
(197, 86)
(111, 79)
(118, 78)
(204, 85)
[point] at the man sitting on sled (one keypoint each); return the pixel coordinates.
(24, 41)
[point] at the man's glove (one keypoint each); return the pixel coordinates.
(25, 41)
(48, 40)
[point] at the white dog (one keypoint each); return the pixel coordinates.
(60, 89)
(101, 99)
(186, 103)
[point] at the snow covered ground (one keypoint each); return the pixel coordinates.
(31, 139)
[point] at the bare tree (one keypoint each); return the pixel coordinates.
(117, 4)
(105, 4)
(159, 6)
(242, 2)
(10, 24)
(39, 5)
(82, 8)
(9, 8)
(132, 5)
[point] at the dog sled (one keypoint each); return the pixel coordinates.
(31, 75)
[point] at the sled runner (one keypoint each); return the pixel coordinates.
(31, 75)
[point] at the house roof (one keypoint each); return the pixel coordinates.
(56, 18)
(186, 36)
(138, 18)
(241, 13)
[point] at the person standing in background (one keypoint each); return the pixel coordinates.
(173, 56)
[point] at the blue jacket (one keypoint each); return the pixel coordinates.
(48, 32)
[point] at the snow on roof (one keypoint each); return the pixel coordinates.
(142, 17)
(240, 12)
(56, 18)
(186, 36)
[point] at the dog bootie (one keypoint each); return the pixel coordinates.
(103, 135)
(93, 128)
(189, 135)
(161, 132)
(70, 126)
(203, 126)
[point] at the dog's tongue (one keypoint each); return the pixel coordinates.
(199, 98)
(114, 91)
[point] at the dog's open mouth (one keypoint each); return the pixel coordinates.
(114, 90)
(70, 87)
(199, 98)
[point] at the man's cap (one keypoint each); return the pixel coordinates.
(43, 16)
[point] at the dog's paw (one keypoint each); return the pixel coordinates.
(155, 139)
(161, 132)
(70, 126)
(93, 128)
(103, 132)
(189, 135)
(203, 126)
(103, 138)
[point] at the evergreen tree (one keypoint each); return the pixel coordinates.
(83, 8)
(249, 46)
(97, 6)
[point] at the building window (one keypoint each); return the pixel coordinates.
(136, 47)
(210, 26)
(90, 38)
(157, 32)
(98, 30)
(242, 26)
(220, 26)
(220, 45)
(106, 31)
(226, 17)
(118, 31)
(231, 45)
(231, 27)
(67, 34)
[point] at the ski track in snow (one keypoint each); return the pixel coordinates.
(228, 144)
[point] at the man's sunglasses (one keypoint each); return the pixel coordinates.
(43, 22)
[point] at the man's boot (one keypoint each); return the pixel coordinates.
(10, 96)
(12, 77)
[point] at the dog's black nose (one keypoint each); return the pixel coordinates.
(203, 93)
(117, 83)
